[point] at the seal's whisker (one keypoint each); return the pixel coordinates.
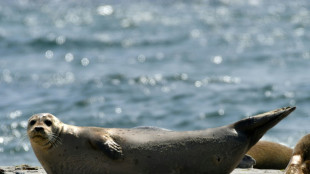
(57, 140)
(54, 140)
(22, 139)
(24, 136)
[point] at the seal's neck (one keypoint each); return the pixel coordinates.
(69, 129)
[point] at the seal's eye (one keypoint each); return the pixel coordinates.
(32, 122)
(48, 122)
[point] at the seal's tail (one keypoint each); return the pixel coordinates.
(256, 126)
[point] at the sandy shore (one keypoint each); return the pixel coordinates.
(25, 169)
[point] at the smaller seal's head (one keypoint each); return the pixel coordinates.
(300, 161)
(44, 130)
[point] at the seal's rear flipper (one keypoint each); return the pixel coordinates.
(255, 127)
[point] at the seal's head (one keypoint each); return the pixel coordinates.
(300, 161)
(44, 130)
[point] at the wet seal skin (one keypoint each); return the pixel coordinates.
(63, 148)
(300, 161)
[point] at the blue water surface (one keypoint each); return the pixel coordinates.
(181, 65)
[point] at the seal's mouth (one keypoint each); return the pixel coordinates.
(44, 138)
(38, 136)
(34, 134)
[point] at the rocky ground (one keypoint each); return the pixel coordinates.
(256, 171)
(22, 169)
(25, 169)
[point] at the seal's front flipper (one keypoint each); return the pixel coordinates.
(107, 145)
(247, 162)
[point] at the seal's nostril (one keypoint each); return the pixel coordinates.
(39, 129)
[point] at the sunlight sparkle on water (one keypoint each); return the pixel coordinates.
(141, 58)
(85, 61)
(105, 10)
(7, 76)
(184, 76)
(217, 59)
(15, 114)
(198, 84)
(118, 110)
(69, 57)
(60, 40)
(195, 33)
(49, 54)
(221, 111)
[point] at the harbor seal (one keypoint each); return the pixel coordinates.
(63, 148)
(300, 161)
(270, 155)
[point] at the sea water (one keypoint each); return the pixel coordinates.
(180, 65)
